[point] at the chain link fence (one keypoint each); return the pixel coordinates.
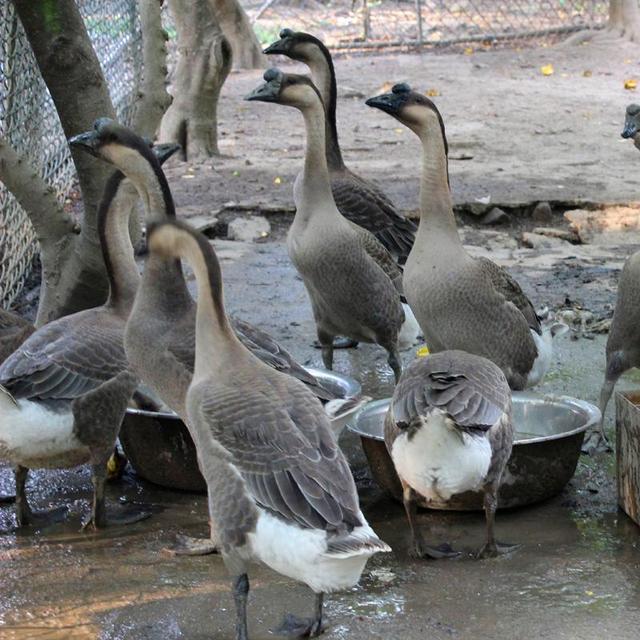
(356, 24)
(29, 121)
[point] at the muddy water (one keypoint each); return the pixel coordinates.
(575, 576)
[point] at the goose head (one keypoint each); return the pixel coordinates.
(289, 89)
(632, 124)
(409, 107)
(297, 45)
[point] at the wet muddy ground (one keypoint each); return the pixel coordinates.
(576, 574)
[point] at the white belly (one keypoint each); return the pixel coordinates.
(301, 554)
(34, 436)
(440, 461)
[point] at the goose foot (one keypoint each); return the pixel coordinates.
(40, 519)
(294, 627)
(444, 550)
(495, 549)
(596, 442)
(339, 343)
(188, 546)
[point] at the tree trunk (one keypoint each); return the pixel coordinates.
(204, 61)
(71, 71)
(153, 99)
(234, 22)
(623, 23)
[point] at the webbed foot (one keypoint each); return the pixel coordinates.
(495, 549)
(294, 627)
(188, 546)
(444, 550)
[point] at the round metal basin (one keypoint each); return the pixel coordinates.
(160, 449)
(548, 436)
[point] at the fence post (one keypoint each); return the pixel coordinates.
(366, 24)
(419, 12)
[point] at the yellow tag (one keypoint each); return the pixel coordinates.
(630, 84)
(547, 70)
(422, 352)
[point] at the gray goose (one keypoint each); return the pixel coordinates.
(461, 302)
(448, 430)
(163, 314)
(357, 199)
(353, 282)
(279, 487)
(14, 330)
(623, 343)
(65, 390)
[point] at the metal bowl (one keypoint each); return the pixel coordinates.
(160, 449)
(548, 437)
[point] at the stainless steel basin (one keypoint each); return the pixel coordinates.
(160, 449)
(548, 437)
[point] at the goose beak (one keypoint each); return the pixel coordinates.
(165, 151)
(630, 129)
(277, 47)
(388, 102)
(87, 142)
(266, 92)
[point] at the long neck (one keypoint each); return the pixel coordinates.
(324, 77)
(316, 184)
(215, 339)
(115, 210)
(436, 208)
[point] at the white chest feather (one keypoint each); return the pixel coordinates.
(545, 351)
(34, 436)
(440, 461)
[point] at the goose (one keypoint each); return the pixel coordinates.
(357, 199)
(160, 332)
(623, 343)
(280, 489)
(64, 391)
(352, 280)
(462, 303)
(448, 430)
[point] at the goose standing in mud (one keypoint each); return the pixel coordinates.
(280, 489)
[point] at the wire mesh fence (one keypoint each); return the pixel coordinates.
(354, 24)
(30, 124)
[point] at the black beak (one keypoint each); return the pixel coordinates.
(88, 142)
(165, 150)
(276, 47)
(630, 129)
(390, 103)
(266, 92)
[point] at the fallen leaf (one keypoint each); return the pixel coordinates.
(630, 84)
(587, 73)
(432, 93)
(589, 593)
(277, 180)
(422, 352)
(236, 173)
(468, 51)
(385, 88)
(546, 70)
(399, 130)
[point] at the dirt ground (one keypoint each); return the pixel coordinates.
(531, 138)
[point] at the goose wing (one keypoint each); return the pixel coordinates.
(366, 205)
(471, 390)
(506, 285)
(281, 443)
(66, 358)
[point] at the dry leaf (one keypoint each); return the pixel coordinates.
(587, 73)
(431, 93)
(547, 70)
(630, 84)
(277, 180)
(385, 88)
(399, 130)
(468, 51)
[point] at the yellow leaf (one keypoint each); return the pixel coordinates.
(630, 84)
(236, 173)
(547, 70)
(432, 93)
(587, 73)
(277, 180)
(399, 130)
(385, 88)
(422, 352)
(589, 593)
(468, 51)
